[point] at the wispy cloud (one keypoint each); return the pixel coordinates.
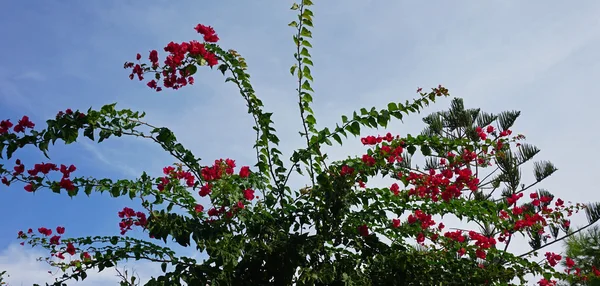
(20, 263)
(31, 75)
(110, 162)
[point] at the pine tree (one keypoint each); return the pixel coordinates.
(506, 179)
(584, 249)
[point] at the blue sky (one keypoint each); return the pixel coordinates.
(539, 57)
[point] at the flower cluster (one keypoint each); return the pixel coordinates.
(22, 124)
(212, 175)
(129, 218)
(54, 241)
(44, 169)
(180, 63)
(448, 182)
(175, 176)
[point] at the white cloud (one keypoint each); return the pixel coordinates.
(20, 264)
(111, 162)
(31, 75)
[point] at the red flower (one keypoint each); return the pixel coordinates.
(152, 84)
(230, 165)
(70, 249)
(55, 240)
(19, 168)
(5, 181)
(5, 125)
(138, 57)
(368, 160)
(85, 256)
(245, 172)
(249, 194)
(66, 171)
(395, 223)
(22, 124)
(211, 59)
(395, 188)
(545, 282)
(205, 190)
(199, 208)
(213, 212)
(363, 230)
(569, 262)
(552, 258)
(208, 32)
(67, 184)
(346, 170)
(361, 184)
(240, 205)
(60, 230)
(45, 231)
(29, 187)
(369, 140)
(420, 237)
(153, 57)
(596, 271)
(480, 253)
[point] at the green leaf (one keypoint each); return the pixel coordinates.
(305, 52)
(293, 24)
(89, 132)
(295, 7)
(425, 150)
(223, 68)
(306, 44)
(293, 69)
(392, 106)
(354, 128)
(411, 149)
(305, 33)
(337, 138)
(163, 267)
(306, 86)
(307, 13)
(311, 120)
(12, 147)
(191, 69)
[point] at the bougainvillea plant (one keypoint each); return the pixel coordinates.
(342, 229)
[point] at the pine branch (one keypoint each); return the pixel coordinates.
(485, 119)
(526, 152)
(507, 119)
(592, 212)
(543, 170)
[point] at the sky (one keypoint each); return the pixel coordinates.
(538, 57)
